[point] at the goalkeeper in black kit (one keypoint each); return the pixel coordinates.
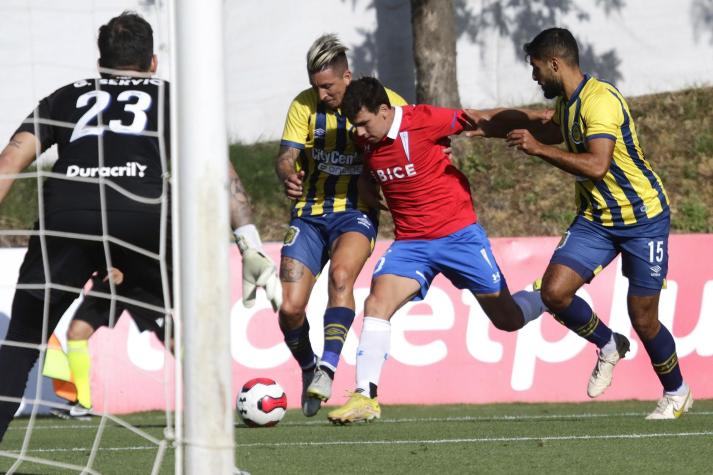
(112, 135)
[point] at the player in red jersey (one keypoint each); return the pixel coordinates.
(435, 225)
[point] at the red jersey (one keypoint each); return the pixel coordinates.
(428, 197)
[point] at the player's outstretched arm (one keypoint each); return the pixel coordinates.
(592, 164)
(286, 172)
(498, 122)
(258, 269)
(17, 155)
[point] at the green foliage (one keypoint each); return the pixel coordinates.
(703, 144)
(19, 209)
(693, 216)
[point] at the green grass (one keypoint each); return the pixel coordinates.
(597, 437)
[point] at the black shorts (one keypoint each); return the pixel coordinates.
(72, 262)
(97, 312)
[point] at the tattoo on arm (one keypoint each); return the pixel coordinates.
(291, 270)
(285, 165)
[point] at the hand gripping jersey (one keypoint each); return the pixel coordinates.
(631, 192)
(427, 195)
(328, 156)
(112, 128)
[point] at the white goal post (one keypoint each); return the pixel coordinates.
(201, 225)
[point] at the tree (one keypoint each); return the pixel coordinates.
(437, 24)
(434, 52)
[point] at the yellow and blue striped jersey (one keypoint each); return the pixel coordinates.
(328, 156)
(631, 192)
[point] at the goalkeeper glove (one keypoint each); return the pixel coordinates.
(258, 269)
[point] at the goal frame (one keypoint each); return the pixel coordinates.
(204, 406)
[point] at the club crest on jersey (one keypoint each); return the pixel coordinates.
(576, 133)
(291, 235)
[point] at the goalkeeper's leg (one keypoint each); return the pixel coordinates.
(16, 362)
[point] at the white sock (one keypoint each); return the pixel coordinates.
(373, 351)
(610, 347)
(530, 303)
(683, 389)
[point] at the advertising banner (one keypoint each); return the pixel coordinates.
(443, 349)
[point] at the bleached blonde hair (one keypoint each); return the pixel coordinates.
(326, 52)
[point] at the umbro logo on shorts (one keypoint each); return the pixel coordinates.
(131, 169)
(364, 221)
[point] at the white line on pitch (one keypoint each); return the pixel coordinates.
(408, 442)
(506, 417)
(86, 449)
(416, 419)
(477, 440)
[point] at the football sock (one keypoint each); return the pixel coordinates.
(372, 353)
(327, 369)
(80, 363)
(682, 390)
(610, 347)
(581, 319)
(530, 303)
(297, 340)
(662, 351)
(337, 321)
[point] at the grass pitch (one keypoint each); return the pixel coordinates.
(610, 437)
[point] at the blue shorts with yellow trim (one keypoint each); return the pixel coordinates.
(588, 247)
(309, 239)
(463, 257)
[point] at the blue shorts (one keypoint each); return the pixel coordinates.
(588, 247)
(309, 239)
(463, 257)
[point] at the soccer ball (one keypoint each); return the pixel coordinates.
(261, 403)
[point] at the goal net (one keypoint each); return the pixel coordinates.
(151, 412)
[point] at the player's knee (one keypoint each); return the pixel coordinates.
(555, 299)
(79, 330)
(340, 280)
(291, 314)
(374, 306)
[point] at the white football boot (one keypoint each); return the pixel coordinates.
(671, 406)
(321, 385)
(603, 371)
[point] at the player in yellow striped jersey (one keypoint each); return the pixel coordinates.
(334, 216)
(622, 209)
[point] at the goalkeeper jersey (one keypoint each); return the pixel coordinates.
(111, 128)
